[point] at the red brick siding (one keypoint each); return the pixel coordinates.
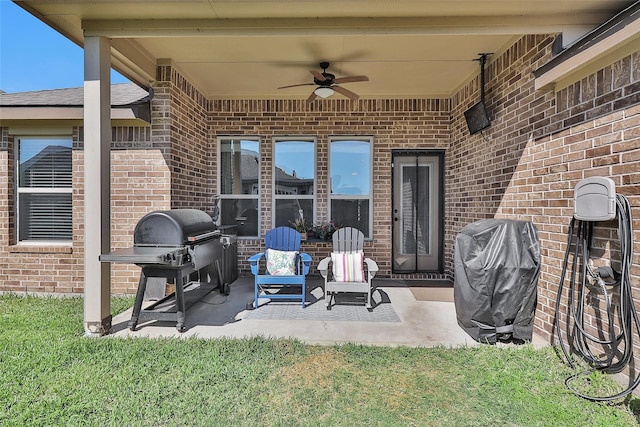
(394, 124)
(140, 183)
(482, 166)
(182, 113)
(539, 146)
(6, 193)
(607, 146)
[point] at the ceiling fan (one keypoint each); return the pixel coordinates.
(328, 84)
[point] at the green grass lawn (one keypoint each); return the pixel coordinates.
(51, 375)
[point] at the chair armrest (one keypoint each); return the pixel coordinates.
(372, 267)
(253, 261)
(306, 262)
(323, 267)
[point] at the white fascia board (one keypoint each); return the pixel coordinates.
(615, 47)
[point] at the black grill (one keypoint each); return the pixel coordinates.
(182, 245)
(173, 228)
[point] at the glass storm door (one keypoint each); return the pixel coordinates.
(417, 211)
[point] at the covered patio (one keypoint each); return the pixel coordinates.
(415, 314)
(561, 94)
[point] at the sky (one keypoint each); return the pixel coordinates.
(33, 56)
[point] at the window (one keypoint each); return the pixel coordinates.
(294, 180)
(239, 184)
(44, 192)
(350, 178)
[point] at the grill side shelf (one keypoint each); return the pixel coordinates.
(145, 255)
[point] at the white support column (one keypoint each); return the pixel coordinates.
(97, 165)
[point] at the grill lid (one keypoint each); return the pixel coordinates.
(172, 228)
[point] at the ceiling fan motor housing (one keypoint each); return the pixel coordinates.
(328, 79)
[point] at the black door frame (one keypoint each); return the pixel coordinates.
(440, 155)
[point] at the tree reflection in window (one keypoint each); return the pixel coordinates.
(294, 180)
(350, 172)
(239, 181)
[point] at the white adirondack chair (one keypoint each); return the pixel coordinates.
(348, 272)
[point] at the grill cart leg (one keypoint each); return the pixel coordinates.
(137, 306)
(180, 303)
(224, 287)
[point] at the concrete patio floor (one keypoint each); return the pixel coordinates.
(419, 323)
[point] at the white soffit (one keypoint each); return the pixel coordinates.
(246, 49)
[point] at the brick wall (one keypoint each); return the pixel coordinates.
(482, 166)
(539, 146)
(179, 118)
(394, 124)
(6, 195)
(140, 183)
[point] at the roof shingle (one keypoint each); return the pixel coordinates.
(122, 94)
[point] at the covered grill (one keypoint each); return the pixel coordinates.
(178, 244)
(497, 262)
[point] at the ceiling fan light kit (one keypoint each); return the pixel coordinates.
(324, 92)
(328, 84)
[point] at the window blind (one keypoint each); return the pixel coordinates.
(44, 189)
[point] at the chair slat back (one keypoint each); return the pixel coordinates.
(282, 239)
(348, 239)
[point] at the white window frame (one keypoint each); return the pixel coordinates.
(275, 196)
(255, 197)
(369, 197)
(19, 191)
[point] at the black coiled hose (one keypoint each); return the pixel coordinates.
(618, 345)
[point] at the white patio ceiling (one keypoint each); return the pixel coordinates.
(247, 49)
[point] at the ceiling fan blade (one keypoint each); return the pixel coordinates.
(312, 97)
(345, 92)
(300, 84)
(318, 75)
(351, 79)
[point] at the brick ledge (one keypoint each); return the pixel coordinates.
(33, 249)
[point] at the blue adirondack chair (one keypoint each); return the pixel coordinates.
(285, 266)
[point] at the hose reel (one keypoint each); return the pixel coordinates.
(610, 348)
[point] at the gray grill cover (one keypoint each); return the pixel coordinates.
(171, 228)
(496, 276)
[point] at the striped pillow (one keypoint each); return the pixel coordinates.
(347, 267)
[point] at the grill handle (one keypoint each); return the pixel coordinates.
(202, 236)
